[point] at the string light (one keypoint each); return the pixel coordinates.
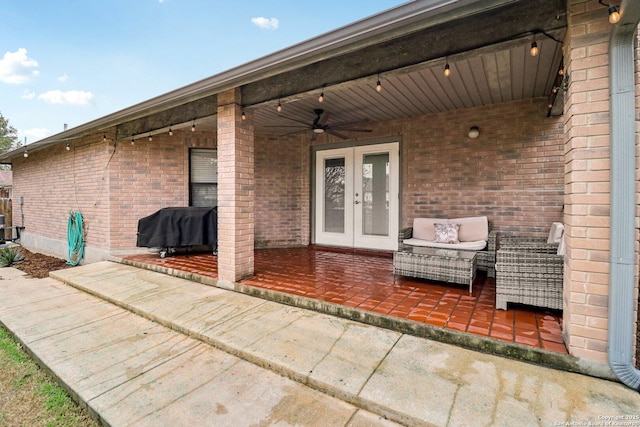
(170, 132)
(321, 97)
(244, 116)
(150, 138)
(25, 154)
(378, 84)
(279, 107)
(68, 147)
(534, 48)
(104, 137)
(193, 126)
(133, 141)
(447, 70)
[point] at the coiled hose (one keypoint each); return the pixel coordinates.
(75, 238)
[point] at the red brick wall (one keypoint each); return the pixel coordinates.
(513, 172)
(55, 181)
(148, 176)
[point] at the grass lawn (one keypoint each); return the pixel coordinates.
(29, 396)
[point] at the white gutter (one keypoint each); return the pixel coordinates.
(623, 195)
(403, 19)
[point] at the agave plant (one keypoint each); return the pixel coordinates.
(10, 256)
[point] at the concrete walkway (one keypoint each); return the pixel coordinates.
(149, 349)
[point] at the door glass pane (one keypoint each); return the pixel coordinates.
(334, 191)
(375, 194)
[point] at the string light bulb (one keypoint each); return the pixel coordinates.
(535, 50)
(133, 141)
(614, 14)
(68, 147)
(321, 97)
(25, 154)
(104, 137)
(193, 126)
(244, 116)
(279, 107)
(447, 70)
(170, 132)
(150, 138)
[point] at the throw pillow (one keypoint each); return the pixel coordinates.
(446, 233)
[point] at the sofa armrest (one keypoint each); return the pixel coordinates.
(508, 239)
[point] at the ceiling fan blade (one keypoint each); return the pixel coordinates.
(324, 118)
(338, 134)
(294, 132)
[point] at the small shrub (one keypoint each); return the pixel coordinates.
(10, 256)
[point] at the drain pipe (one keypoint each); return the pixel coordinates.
(623, 195)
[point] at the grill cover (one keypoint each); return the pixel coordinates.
(181, 226)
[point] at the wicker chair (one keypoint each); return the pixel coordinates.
(528, 271)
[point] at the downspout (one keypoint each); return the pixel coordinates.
(623, 187)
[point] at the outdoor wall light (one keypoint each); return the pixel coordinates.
(474, 132)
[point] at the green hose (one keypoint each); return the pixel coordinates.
(75, 239)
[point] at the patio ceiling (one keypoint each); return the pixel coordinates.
(485, 42)
(488, 54)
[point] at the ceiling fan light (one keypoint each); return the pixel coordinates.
(318, 130)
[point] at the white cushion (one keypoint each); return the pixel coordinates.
(556, 232)
(467, 246)
(423, 228)
(472, 229)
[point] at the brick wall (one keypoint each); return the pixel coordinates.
(55, 181)
(148, 176)
(587, 181)
(513, 172)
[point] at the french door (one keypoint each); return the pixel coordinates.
(356, 200)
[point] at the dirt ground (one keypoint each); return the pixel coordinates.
(38, 265)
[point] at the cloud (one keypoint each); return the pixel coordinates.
(63, 78)
(265, 23)
(36, 133)
(72, 97)
(17, 67)
(27, 94)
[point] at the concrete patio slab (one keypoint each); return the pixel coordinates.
(135, 372)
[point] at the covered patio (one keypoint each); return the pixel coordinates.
(341, 282)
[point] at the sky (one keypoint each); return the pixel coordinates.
(73, 61)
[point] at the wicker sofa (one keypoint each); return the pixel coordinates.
(472, 230)
(529, 271)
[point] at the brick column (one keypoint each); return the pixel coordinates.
(235, 189)
(587, 181)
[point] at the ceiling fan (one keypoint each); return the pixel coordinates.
(320, 125)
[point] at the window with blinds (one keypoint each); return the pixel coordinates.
(203, 177)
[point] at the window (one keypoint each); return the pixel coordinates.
(203, 177)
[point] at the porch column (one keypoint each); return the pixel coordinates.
(587, 183)
(235, 189)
